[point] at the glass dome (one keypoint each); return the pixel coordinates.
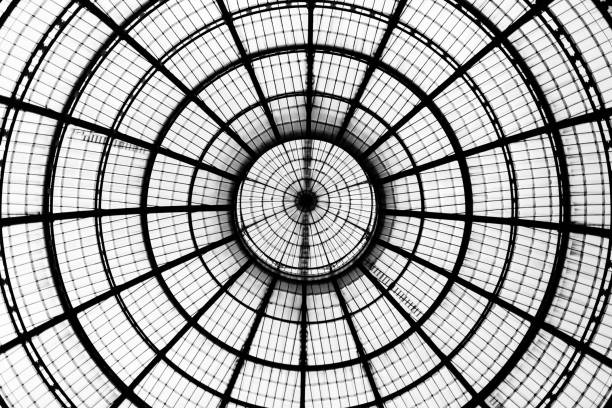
(305, 203)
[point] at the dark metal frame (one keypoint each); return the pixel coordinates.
(551, 128)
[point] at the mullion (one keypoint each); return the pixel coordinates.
(246, 62)
(340, 237)
(310, 70)
(376, 58)
(521, 222)
(253, 218)
(325, 161)
(322, 246)
(496, 41)
(114, 291)
(305, 233)
(349, 186)
(358, 345)
(192, 322)
(309, 106)
(289, 240)
(248, 342)
(303, 360)
(70, 120)
(491, 297)
(110, 212)
(419, 329)
(296, 155)
(157, 64)
(346, 219)
(303, 343)
(254, 181)
(245, 227)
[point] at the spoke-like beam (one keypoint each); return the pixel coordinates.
(109, 212)
(160, 354)
(373, 63)
(590, 117)
(246, 62)
(310, 69)
(114, 291)
(70, 120)
(246, 347)
(360, 351)
(159, 66)
(419, 329)
(243, 229)
(512, 308)
(495, 42)
(350, 222)
(305, 244)
(376, 59)
(519, 222)
(303, 345)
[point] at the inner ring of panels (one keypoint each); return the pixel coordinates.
(306, 209)
(127, 128)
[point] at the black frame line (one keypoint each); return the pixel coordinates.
(563, 229)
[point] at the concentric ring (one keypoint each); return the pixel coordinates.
(305, 204)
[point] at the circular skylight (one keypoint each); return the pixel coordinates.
(306, 209)
(305, 204)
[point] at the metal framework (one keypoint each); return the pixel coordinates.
(306, 203)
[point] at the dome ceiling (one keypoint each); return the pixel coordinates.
(305, 204)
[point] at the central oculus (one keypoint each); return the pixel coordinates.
(306, 200)
(305, 209)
